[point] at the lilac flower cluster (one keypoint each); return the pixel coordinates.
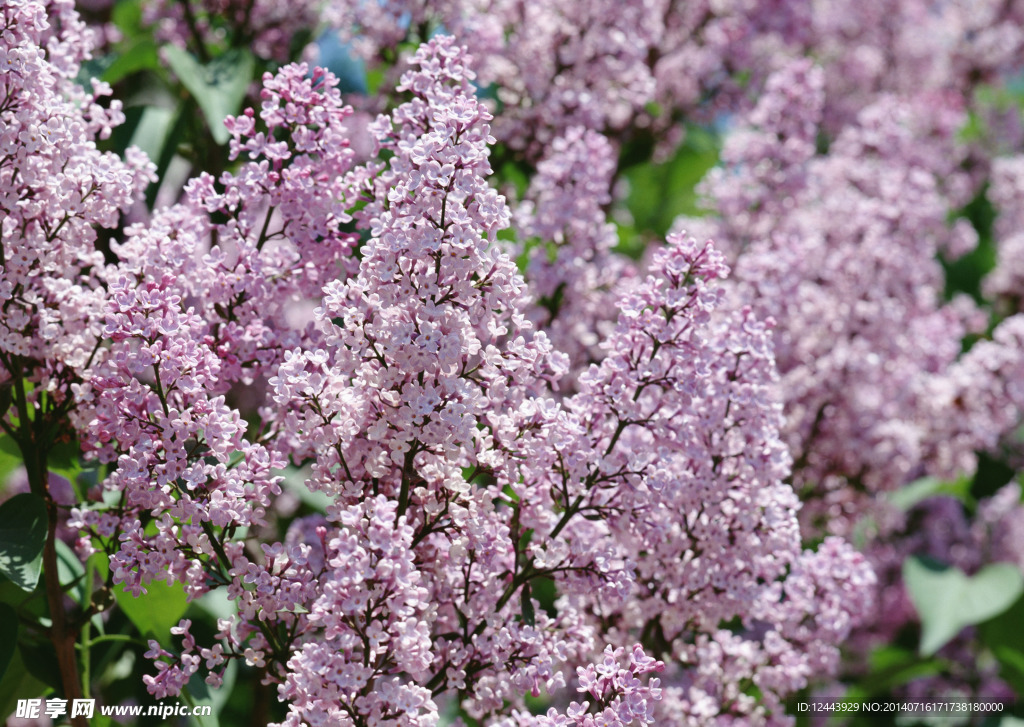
(591, 463)
(571, 267)
(57, 188)
(1007, 193)
(861, 399)
(690, 425)
(627, 69)
(420, 396)
(928, 52)
(197, 310)
(876, 387)
(625, 699)
(612, 67)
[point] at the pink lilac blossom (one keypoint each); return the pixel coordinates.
(683, 410)
(999, 527)
(984, 390)
(864, 338)
(571, 268)
(621, 698)
(922, 50)
(617, 68)
(420, 398)
(56, 187)
(422, 347)
(281, 233)
(421, 393)
(876, 389)
(1007, 194)
(56, 190)
(198, 307)
(552, 66)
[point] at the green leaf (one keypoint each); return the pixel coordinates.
(30, 607)
(661, 192)
(41, 661)
(140, 55)
(156, 612)
(17, 684)
(658, 193)
(512, 173)
(10, 458)
(890, 668)
(1004, 636)
(153, 130)
(947, 600)
(910, 495)
(71, 572)
(127, 16)
(1004, 629)
(8, 637)
(65, 460)
(198, 693)
(529, 615)
(1011, 663)
(374, 78)
(22, 537)
(168, 148)
(219, 87)
(216, 603)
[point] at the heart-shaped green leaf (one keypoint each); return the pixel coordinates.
(155, 613)
(219, 87)
(8, 636)
(22, 537)
(947, 600)
(910, 495)
(10, 457)
(71, 572)
(139, 55)
(153, 130)
(18, 683)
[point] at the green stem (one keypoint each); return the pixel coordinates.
(62, 636)
(89, 643)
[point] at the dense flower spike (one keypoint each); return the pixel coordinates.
(159, 405)
(423, 370)
(553, 67)
(398, 480)
(682, 410)
(1007, 194)
(572, 270)
(877, 393)
(927, 51)
(373, 613)
(858, 398)
(420, 399)
(620, 697)
(598, 65)
(57, 188)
